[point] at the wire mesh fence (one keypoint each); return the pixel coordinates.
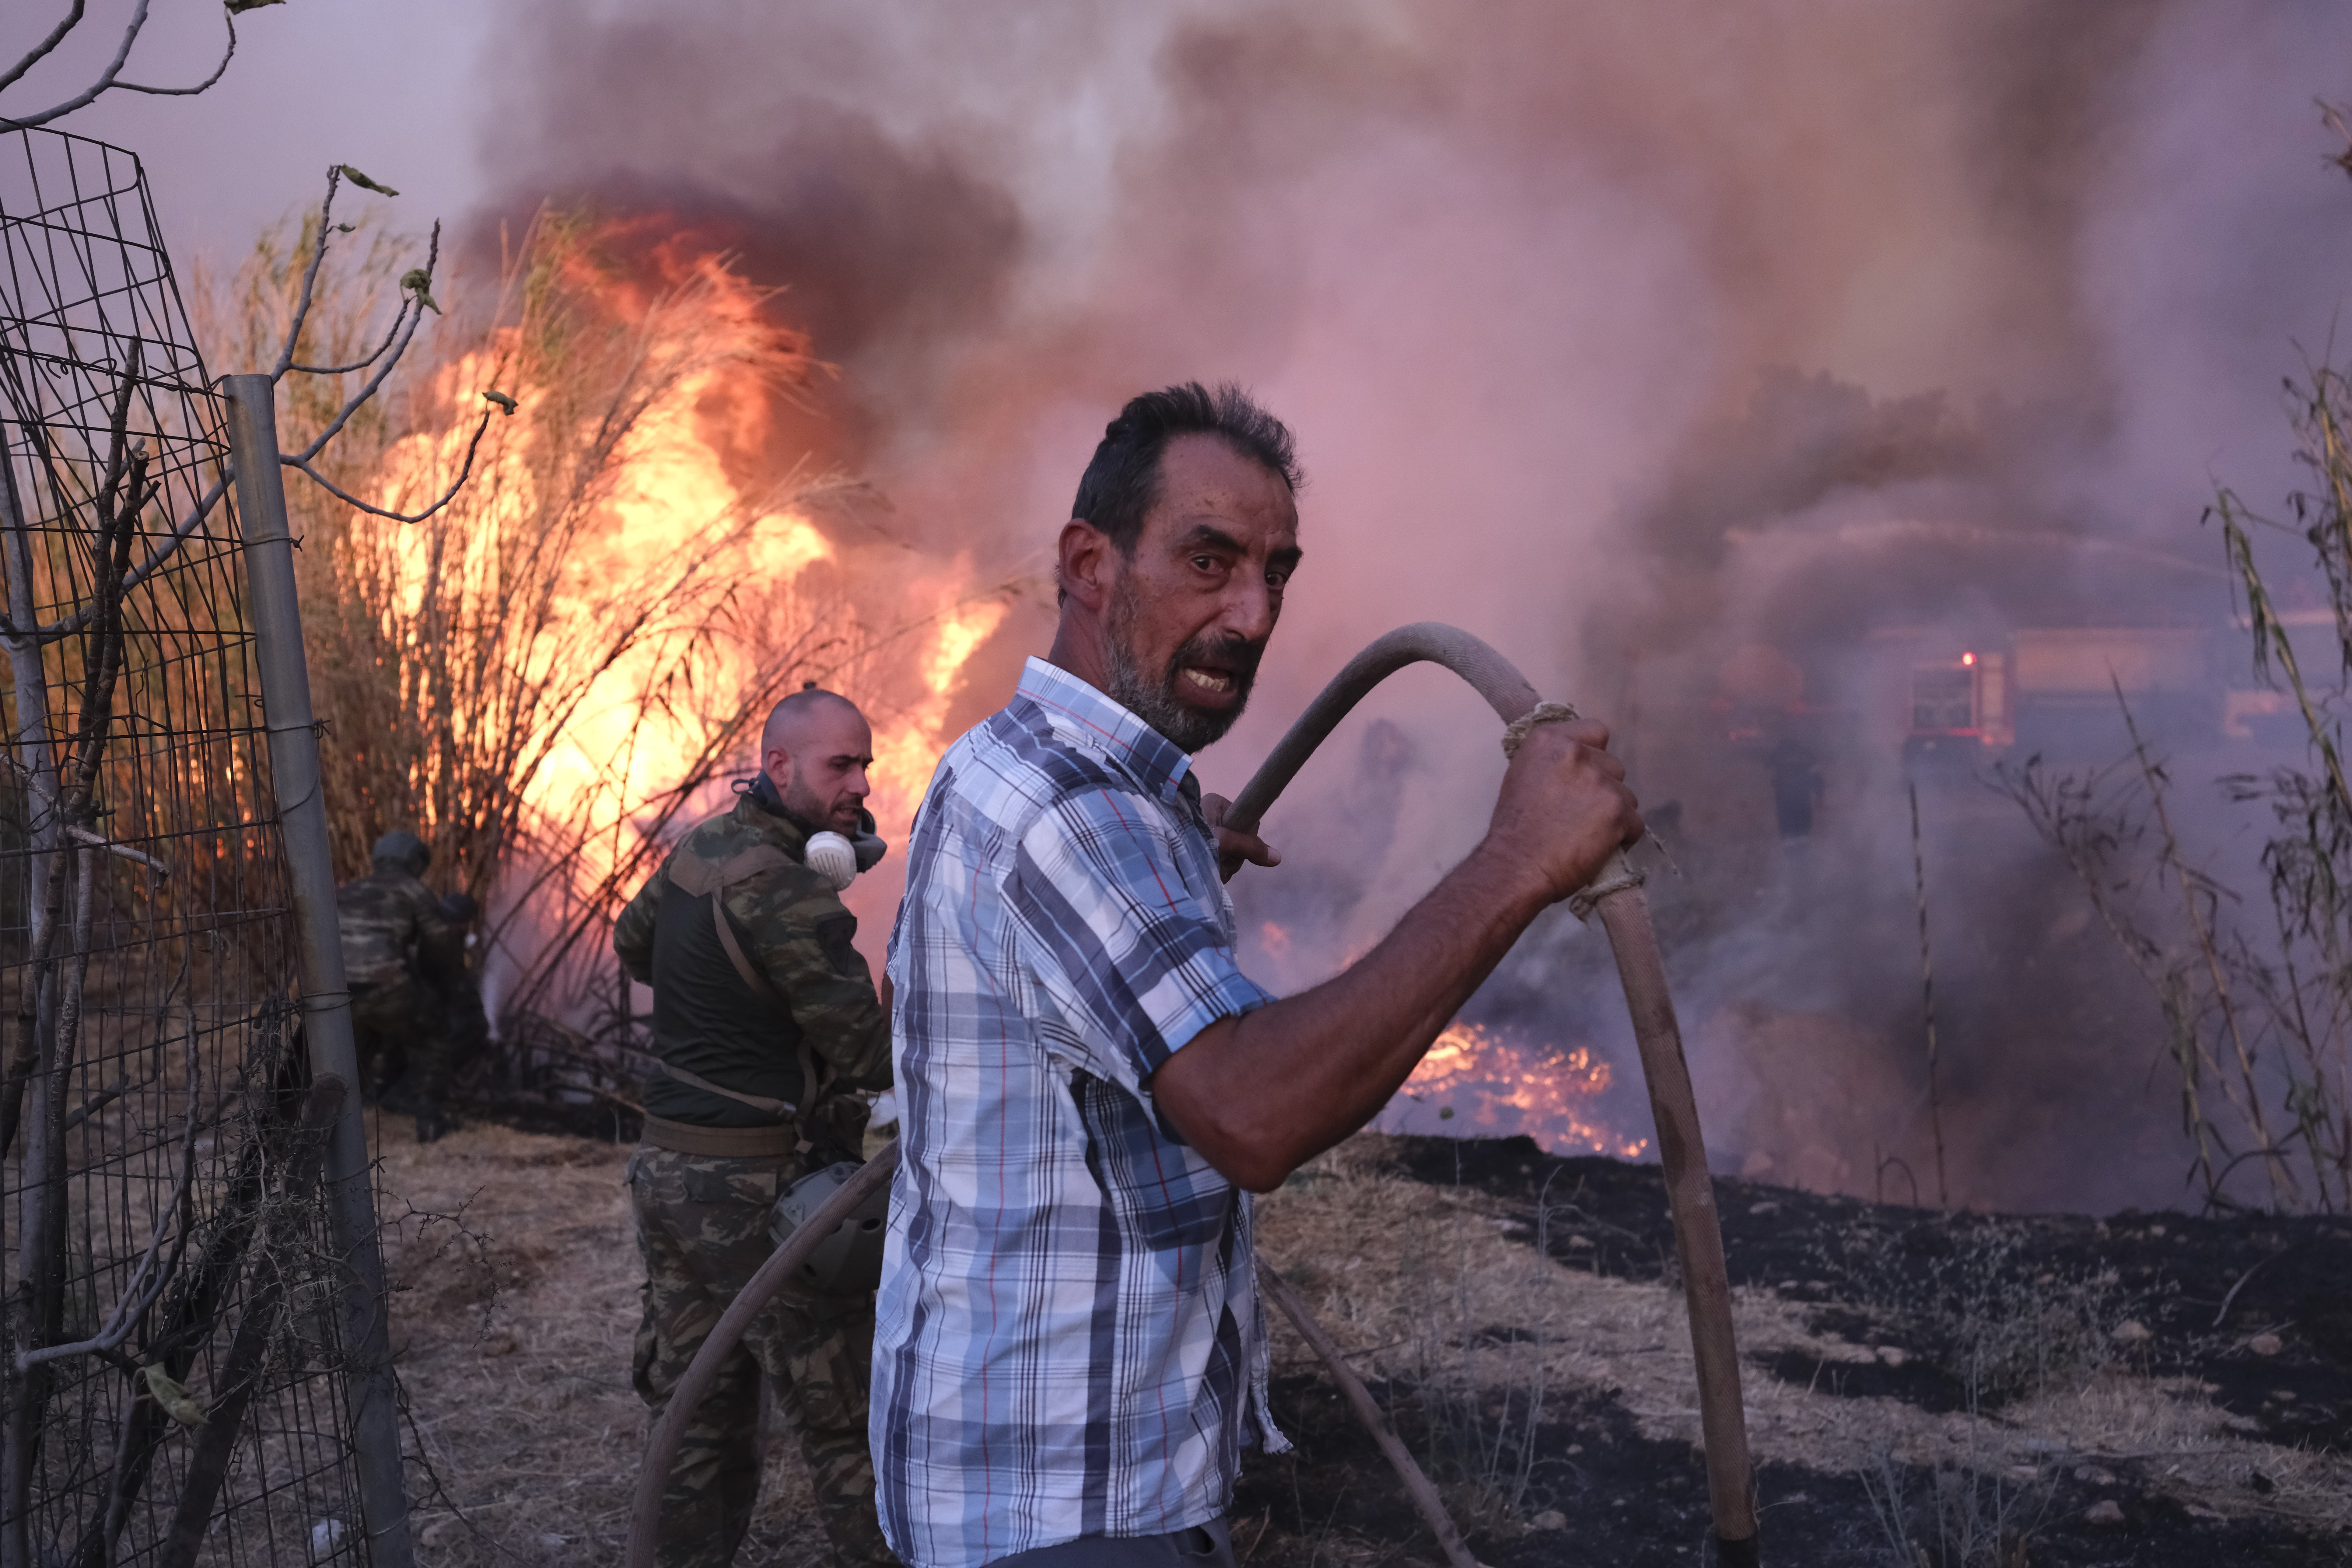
(175, 1384)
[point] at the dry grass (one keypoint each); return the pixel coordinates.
(515, 1334)
(516, 1327)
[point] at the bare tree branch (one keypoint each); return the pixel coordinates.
(99, 841)
(66, 625)
(310, 274)
(40, 51)
(122, 459)
(358, 363)
(106, 78)
(406, 335)
(218, 71)
(447, 495)
(187, 525)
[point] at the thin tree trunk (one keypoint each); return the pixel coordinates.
(25, 1328)
(40, 1295)
(31, 739)
(38, 1301)
(249, 1352)
(188, 1320)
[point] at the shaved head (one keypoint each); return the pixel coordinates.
(792, 716)
(814, 748)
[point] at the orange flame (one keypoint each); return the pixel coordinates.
(1475, 1082)
(907, 748)
(675, 491)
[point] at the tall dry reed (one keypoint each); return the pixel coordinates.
(541, 676)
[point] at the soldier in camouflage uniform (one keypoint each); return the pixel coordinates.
(400, 957)
(757, 991)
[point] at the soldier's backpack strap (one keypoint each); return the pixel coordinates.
(781, 1109)
(696, 877)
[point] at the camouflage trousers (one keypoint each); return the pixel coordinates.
(404, 1036)
(702, 1226)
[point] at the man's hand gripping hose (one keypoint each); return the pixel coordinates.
(1616, 896)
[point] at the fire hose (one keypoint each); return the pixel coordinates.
(1616, 897)
(670, 1432)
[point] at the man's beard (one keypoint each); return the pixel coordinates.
(1155, 701)
(802, 803)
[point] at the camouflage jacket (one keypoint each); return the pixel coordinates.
(394, 930)
(790, 925)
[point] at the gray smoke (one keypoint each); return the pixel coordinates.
(1630, 337)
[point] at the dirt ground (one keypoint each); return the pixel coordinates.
(516, 1274)
(2149, 1391)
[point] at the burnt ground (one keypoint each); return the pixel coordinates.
(1963, 1317)
(1997, 1390)
(1888, 1274)
(1634, 1502)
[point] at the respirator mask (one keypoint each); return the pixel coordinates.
(838, 858)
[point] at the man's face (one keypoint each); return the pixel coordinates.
(1191, 609)
(823, 770)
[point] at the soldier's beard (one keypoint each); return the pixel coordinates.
(1154, 700)
(802, 803)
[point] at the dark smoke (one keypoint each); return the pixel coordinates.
(1636, 337)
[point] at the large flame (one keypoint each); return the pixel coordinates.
(907, 748)
(676, 493)
(1479, 1081)
(615, 752)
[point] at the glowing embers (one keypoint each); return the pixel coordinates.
(1478, 1082)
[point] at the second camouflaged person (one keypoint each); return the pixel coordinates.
(401, 959)
(762, 1007)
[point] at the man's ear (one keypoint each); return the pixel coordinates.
(1084, 568)
(777, 764)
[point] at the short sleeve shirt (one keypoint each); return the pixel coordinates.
(1068, 1339)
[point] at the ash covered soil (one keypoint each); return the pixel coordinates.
(1921, 1387)
(1974, 1389)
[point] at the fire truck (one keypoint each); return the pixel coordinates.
(2056, 690)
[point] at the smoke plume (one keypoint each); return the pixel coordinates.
(1635, 338)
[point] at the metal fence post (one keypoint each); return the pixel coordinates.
(276, 613)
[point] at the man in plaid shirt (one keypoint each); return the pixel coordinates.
(1068, 1344)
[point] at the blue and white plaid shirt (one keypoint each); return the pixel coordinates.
(1068, 1339)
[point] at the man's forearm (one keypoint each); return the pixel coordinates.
(1261, 1094)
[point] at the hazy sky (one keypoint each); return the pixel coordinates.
(391, 87)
